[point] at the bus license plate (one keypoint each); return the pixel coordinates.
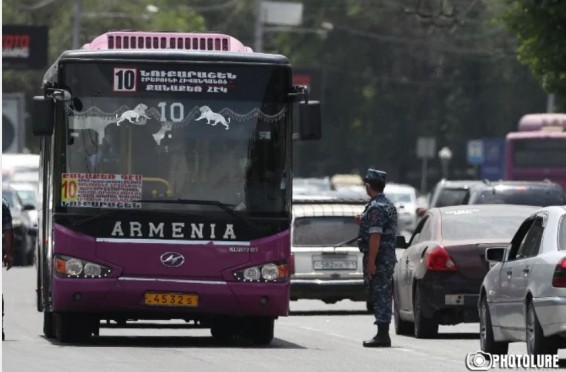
(335, 265)
(171, 299)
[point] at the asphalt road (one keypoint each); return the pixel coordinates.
(315, 337)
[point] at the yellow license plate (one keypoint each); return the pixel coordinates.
(171, 299)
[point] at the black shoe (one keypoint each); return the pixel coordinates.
(378, 341)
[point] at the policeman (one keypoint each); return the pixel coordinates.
(378, 228)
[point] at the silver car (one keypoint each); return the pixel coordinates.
(523, 296)
(327, 262)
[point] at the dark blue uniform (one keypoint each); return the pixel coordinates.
(380, 217)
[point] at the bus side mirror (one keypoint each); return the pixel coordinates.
(310, 121)
(43, 110)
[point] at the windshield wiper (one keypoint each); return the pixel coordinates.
(346, 242)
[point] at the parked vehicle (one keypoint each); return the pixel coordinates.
(523, 297)
(24, 230)
(311, 186)
(327, 261)
(405, 199)
(438, 277)
(451, 192)
(540, 193)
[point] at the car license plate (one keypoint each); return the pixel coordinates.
(171, 299)
(335, 265)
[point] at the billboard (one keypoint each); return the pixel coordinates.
(24, 46)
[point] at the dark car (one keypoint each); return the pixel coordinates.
(24, 229)
(451, 192)
(438, 278)
(540, 193)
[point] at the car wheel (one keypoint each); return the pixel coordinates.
(487, 343)
(537, 344)
(48, 326)
(424, 327)
(402, 327)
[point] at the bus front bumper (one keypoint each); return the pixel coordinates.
(127, 295)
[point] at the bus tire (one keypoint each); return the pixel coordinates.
(48, 324)
(71, 327)
(261, 330)
(223, 331)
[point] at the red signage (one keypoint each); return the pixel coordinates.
(24, 46)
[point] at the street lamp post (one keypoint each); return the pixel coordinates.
(445, 155)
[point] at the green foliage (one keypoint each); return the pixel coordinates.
(392, 70)
(540, 26)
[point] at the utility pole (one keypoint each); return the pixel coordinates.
(76, 23)
(258, 42)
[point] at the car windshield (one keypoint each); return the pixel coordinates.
(562, 234)
(324, 231)
(470, 223)
(448, 197)
(523, 195)
(399, 197)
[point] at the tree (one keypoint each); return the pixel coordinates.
(540, 27)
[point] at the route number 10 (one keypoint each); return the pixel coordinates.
(69, 189)
(125, 79)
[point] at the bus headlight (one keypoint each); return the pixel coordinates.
(270, 272)
(71, 267)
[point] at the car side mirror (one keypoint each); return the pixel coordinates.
(401, 242)
(495, 254)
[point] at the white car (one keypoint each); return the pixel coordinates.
(405, 199)
(327, 261)
(523, 296)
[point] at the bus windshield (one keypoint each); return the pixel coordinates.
(543, 152)
(186, 133)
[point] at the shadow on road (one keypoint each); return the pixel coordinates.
(174, 341)
(458, 336)
(327, 312)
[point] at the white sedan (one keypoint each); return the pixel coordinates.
(523, 296)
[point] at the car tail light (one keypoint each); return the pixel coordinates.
(437, 259)
(559, 278)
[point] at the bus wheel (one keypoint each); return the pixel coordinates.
(261, 330)
(222, 331)
(71, 327)
(48, 326)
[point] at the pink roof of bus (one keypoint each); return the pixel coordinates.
(132, 40)
(535, 122)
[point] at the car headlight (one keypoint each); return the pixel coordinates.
(270, 272)
(71, 267)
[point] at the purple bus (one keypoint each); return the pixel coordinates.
(166, 184)
(538, 150)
